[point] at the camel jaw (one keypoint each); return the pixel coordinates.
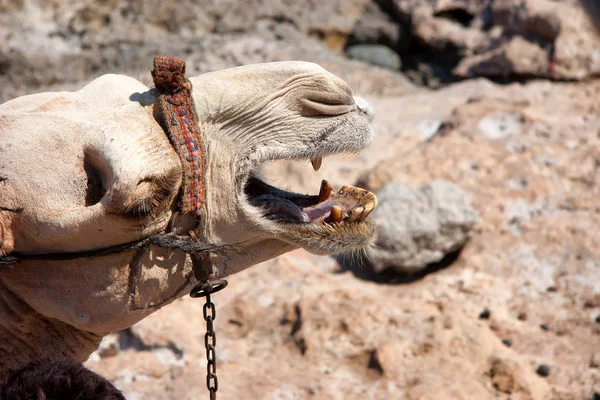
(332, 221)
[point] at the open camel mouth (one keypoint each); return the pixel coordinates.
(348, 205)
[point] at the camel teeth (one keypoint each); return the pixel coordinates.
(336, 214)
(316, 162)
(325, 191)
(368, 208)
(345, 190)
(359, 191)
(354, 214)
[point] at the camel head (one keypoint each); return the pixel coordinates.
(91, 169)
(279, 111)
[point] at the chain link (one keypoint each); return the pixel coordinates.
(209, 312)
(210, 342)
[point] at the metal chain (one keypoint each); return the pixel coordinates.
(210, 337)
(210, 342)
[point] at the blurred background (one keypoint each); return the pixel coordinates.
(485, 283)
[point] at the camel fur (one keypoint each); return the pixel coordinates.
(94, 168)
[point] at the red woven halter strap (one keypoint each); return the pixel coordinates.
(177, 109)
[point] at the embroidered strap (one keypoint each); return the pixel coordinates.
(177, 109)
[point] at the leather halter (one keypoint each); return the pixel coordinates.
(177, 110)
(179, 117)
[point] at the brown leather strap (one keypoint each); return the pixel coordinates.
(179, 115)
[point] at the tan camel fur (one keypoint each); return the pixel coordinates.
(89, 169)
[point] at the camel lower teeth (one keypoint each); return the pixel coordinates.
(354, 214)
(368, 208)
(336, 214)
(325, 191)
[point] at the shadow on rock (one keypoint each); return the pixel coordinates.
(362, 270)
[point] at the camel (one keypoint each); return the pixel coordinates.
(94, 169)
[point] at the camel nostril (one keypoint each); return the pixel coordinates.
(326, 103)
(364, 108)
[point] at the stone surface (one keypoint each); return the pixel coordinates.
(417, 227)
(378, 55)
(61, 44)
(569, 44)
(515, 58)
(469, 8)
(376, 27)
(444, 35)
(502, 39)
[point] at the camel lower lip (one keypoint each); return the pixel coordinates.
(347, 205)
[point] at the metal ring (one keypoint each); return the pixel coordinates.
(205, 288)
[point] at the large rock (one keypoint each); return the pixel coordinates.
(375, 54)
(501, 39)
(417, 227)
(464, 8)
(444, 35)
(516, 58)
(376, 27)
(539, 38)
(534, 19)
(66, 43)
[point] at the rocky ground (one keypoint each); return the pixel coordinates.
(513, 122)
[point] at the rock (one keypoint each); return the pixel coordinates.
(403, 8)
(592, 9)
(503, 39)
(417, 227)
(516, 58)
(109, 347)
(527, 18)
(562, 25)
(500, 126)
(466, 9)
(11, 5)
(509, 376)
(379, 55)
(543, 370)
(447, 36)
(70, 42)
(485, 314)
(429, 128)
(376, 27)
